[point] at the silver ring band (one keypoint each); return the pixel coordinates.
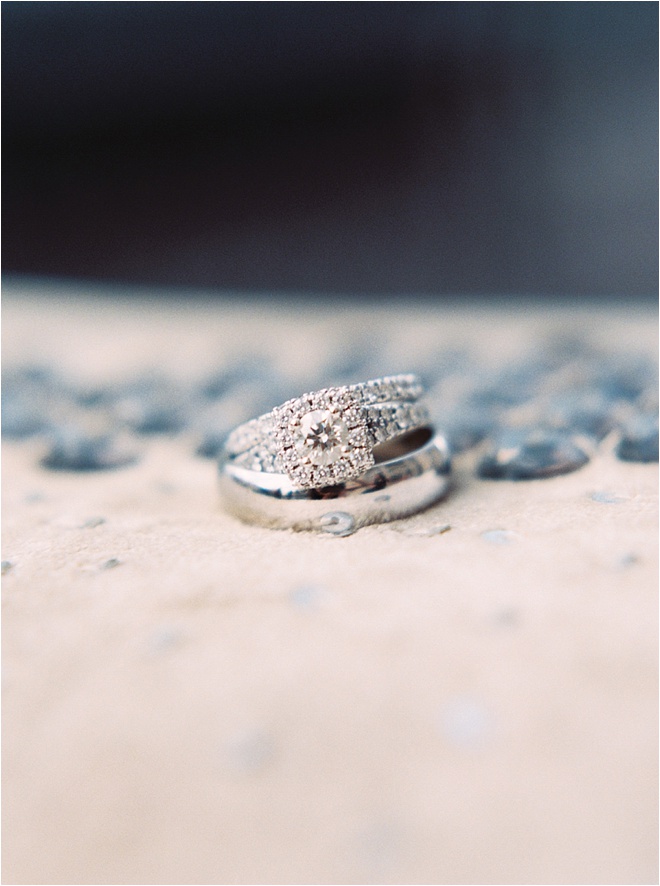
(328, 436)
(387, 491)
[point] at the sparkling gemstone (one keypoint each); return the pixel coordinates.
(323, 437)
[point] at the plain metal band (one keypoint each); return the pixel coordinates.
(387, 491)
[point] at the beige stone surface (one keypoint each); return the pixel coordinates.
(230, 704)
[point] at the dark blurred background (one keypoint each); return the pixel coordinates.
(334, 147)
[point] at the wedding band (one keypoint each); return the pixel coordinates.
(391, 489)
(329, 436)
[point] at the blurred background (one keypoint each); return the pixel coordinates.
(388, 148)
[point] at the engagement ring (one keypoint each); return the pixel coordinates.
(329, 436)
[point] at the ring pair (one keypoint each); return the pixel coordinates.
(337, 459)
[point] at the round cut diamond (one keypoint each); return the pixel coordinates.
(323, 437)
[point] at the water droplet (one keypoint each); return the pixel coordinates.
(34, 498)
(639, 440)
(507, 618)
(307, 597)
(73, 449)
(499, 536)
(531, 454)
(28, 395)
(584, 411)
(337, 523)
(466, 722)
(607, 498)
(250, 751)
(93, 522)
(438, 530)
(464, 426)
(152, 405)
(164, 639)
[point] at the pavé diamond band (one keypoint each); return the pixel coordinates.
(415, 478)
(327, 437)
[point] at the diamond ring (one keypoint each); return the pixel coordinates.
(329, 436)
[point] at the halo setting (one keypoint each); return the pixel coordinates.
(322, 438)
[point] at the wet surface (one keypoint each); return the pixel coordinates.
(244, 675)
(531, 455)
(73, 449)
(639, 439)
(531, 415)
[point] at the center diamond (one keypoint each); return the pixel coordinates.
(323, 437)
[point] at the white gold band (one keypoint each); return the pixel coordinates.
(386, 491)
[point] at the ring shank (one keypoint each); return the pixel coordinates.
(387, 491)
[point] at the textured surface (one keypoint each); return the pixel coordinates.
(469, 695)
